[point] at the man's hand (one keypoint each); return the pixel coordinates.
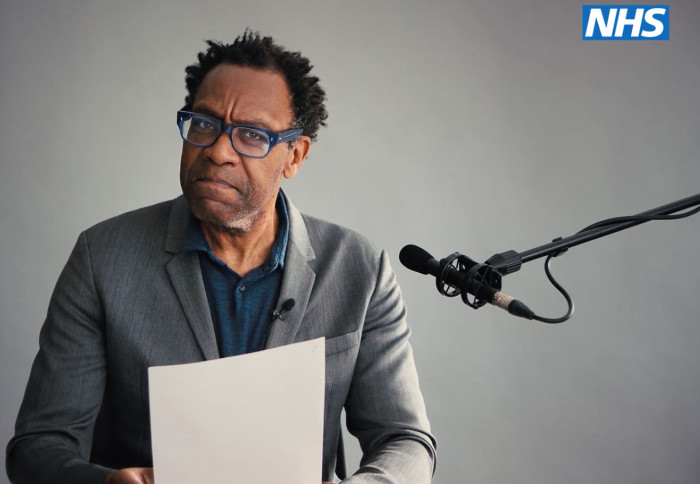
(131, 475)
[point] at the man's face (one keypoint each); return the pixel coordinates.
(222, 187)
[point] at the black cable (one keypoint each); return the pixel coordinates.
(639, 218)
(561, 289)
(602, 223)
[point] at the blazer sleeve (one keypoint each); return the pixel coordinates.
(55, 425)
(385, 408)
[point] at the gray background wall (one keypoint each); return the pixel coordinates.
(472, 126)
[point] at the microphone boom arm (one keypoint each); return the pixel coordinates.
(511, 261)
(457, 274)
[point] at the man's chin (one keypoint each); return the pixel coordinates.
(220, 215)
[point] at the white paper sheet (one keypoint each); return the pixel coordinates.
(250, 419)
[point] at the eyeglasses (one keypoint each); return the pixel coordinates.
(251, 141)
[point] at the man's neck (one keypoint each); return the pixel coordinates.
(244, 250)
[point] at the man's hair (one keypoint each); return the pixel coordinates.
(252, 50)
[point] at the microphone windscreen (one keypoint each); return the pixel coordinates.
(416, 259)
(288, 304)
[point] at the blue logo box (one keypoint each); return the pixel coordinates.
(625, 22)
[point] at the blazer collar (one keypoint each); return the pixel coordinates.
(177, 225)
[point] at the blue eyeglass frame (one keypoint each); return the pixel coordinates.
(275, 137)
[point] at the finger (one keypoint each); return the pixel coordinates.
(148, 476)
(131, 475)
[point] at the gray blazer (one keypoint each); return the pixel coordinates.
(127, 300)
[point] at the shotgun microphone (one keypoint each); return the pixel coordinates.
(459, 274)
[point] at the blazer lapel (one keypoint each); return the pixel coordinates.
(186, 278)
(297, 280)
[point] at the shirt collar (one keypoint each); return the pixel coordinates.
(196, 241)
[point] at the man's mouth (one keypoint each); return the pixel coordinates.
(217, 182)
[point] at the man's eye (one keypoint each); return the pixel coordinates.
(202, 124)
(248, 135)
(251, 135)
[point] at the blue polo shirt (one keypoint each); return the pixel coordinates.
(241, 307)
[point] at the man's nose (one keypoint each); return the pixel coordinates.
(222, 152)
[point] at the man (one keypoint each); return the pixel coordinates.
(230, 268)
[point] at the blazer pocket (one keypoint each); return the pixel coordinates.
(341, 343)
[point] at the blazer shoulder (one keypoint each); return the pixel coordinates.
(142, 217)
(147, 225)
(330, 238)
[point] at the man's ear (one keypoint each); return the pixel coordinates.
(297, 156)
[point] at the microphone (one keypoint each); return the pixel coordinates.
(281, 313)
(464, 280)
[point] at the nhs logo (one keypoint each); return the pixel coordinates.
(625, 22)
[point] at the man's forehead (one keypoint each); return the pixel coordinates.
(233, 90)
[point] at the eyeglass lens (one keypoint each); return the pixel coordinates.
(247, 141)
